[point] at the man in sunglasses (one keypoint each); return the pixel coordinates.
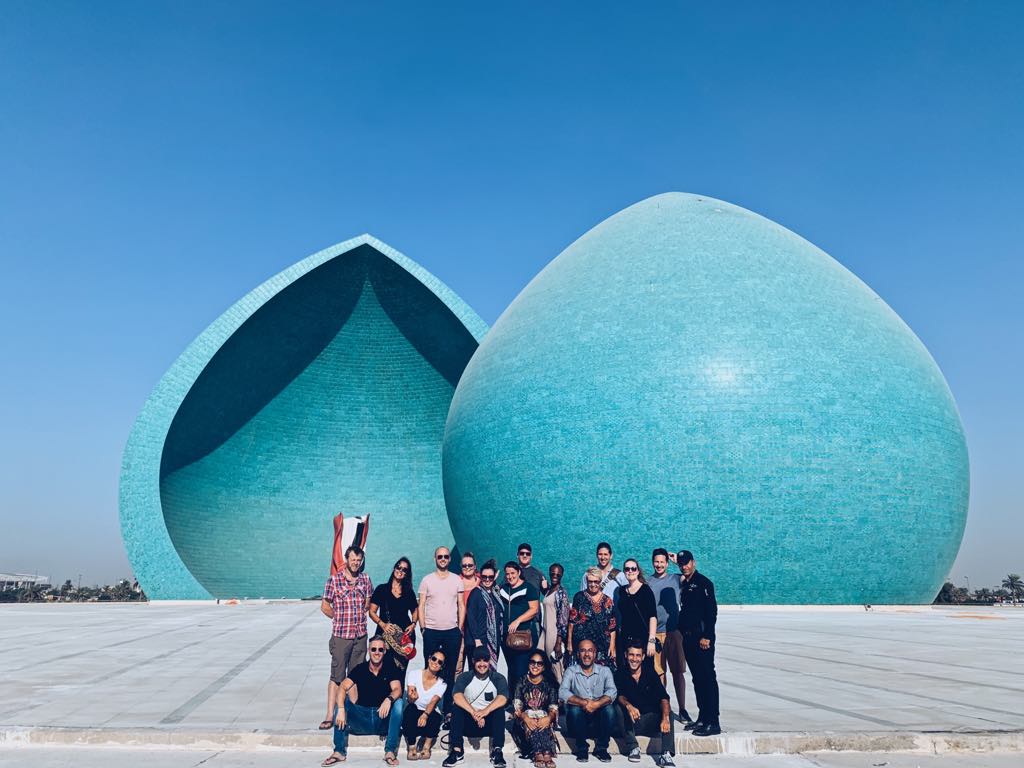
(480, 697)
(443, 616)
(372, 704)
(531, 574)
(698, 613)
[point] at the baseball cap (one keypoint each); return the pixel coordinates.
(684, 556)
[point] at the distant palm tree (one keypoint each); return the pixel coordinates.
(1014, 585)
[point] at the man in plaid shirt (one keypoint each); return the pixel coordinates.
(346, 599)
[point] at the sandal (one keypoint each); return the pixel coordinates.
(325, 725)
(412, 753)
(390, 759)
(333, 760)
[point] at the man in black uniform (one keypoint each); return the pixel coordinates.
(698, 611)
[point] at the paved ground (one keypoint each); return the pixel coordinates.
(230, 671)
(97, 757)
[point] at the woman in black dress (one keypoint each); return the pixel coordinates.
(638, 614)
(394, 608)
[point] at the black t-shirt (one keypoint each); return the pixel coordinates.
(635, 612)
(371, 689)
(516, 602)
(391, 609)
(646, 694)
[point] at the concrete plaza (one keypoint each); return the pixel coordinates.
(252, 676)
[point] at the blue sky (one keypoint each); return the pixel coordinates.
(158, 160)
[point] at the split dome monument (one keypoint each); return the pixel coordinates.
(687, 373)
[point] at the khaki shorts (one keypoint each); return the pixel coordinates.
(345, 654)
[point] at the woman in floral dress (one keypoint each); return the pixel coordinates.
(535, 712)
(592, 617)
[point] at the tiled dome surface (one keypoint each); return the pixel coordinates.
(690, 374)
(325, 390)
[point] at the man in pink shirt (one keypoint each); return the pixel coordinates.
(442, 616)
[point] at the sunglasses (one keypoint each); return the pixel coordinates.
(536, 663)
(591, 581)
(401, 569)
(376, 650)
(469, 565)
(631, 569)
(486, 578)
(442, 557)
(437, 660)
(524, 553)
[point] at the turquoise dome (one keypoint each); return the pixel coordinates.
(324, 390)
(692, 375)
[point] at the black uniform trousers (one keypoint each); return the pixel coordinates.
(705, 681)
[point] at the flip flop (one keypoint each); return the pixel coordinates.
(332, 760)
(390, 759)
(325, 725)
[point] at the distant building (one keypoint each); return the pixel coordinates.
(15, 581)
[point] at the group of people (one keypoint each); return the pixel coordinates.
(600, 656)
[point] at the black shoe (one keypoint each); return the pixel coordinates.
(454, 758)
(497, 759)
(602, 755)
(582, 756)
(684, 717)
(693, 725)
(709, 729)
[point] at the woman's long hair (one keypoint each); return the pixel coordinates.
(548, 674)
(406, 583)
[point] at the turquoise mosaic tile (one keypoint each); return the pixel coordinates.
(690, 374)
(324, 390)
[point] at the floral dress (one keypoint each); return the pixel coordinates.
(594, 624)
(536, 700)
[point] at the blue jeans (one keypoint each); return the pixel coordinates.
(579, 721)
(364, 721)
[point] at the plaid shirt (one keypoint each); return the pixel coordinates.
(348, 601)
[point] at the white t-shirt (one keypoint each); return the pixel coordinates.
(415, 677)
(477, 691)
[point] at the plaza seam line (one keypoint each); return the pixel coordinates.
(186, 709)
(816, 705)
(887, 690)
(861, 637)
(145, 663)
(918, 661)
(940, 678)
(67, 656)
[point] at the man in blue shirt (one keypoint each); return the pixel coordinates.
(588, 691)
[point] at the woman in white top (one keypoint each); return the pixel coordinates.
(421, 723)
